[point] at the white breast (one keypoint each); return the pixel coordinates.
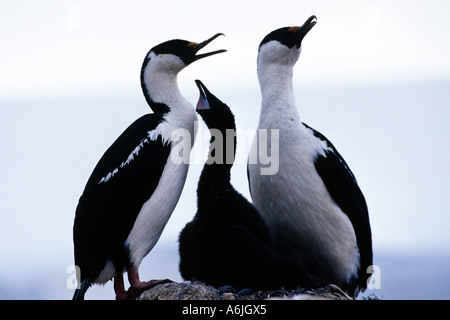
(296, 199)
(156, 211)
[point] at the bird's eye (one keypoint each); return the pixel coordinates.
(282, 37)
(181, 52)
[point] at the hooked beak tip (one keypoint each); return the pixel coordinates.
(204, 44)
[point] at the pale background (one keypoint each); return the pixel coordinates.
(374, 77)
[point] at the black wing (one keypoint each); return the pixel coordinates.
(124, 178)
(344, 189)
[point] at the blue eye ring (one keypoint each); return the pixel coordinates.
(282, 37)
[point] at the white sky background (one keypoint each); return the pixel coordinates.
(69, 85)
(74, 47)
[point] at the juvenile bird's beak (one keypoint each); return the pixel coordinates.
(301, 32)
(202, 103)
(196, 47)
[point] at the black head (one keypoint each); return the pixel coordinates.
(214, 112)
(290, 36)
(164, 62)
(185, 50)
(174, 55)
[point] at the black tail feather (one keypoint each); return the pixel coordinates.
(80, 292)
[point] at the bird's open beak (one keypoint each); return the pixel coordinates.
(202, 103)
(196, 47)
(301, 32)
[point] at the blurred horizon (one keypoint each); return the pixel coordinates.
(40, 243)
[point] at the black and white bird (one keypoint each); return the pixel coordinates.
(136, 185)
(313, 204)
(228, 243)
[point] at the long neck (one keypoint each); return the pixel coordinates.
(161, 90)
(222, 149)
(277, 91)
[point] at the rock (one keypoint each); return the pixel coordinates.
(181, 291)
(200, 291)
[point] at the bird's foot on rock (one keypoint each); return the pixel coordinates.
(138, 288)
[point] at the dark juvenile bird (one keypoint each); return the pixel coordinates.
(313, 203)
(227, 242)
(136, 185)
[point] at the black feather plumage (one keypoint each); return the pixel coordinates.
(108, 207)
(227, 242)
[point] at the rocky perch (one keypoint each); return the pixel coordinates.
(200, 291)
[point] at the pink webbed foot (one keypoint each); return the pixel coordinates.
(138, 286)
(119, 288)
